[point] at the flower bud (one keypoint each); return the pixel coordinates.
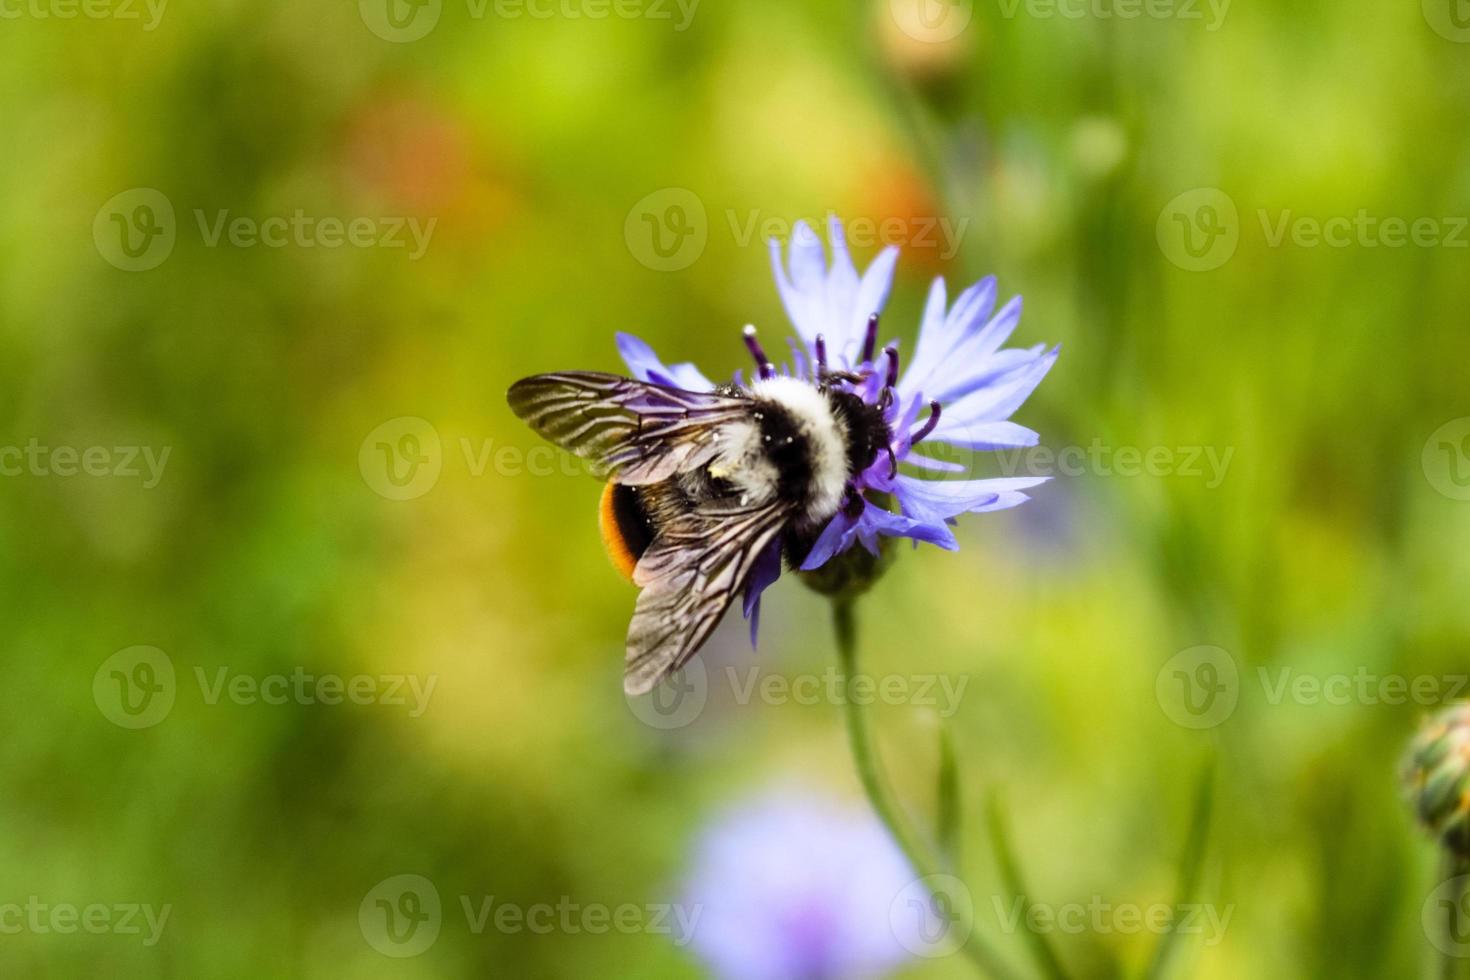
(1437, 773)
(851, 573)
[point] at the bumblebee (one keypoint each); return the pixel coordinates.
(701, 484)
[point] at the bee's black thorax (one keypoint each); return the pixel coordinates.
(865, 431)
(787, 448)
(800, 449)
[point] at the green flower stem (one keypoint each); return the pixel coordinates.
(1448, 964)
(864, 757)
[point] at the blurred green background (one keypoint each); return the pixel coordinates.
(540, 156)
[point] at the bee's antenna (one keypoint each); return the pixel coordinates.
(767, 369)
(870, 340)
(821, 357)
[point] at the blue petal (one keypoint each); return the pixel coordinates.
(983, 435)
(965, 374)
(996, 402)
(989, 338)
(835, 538)
(763, 573)
(808, 259)
(646, 366)
(842, 280)
(899, 526)
(941, 334)
(933, 500)
(930, 463)
(872, 293)
(972, 306)
(797, 303)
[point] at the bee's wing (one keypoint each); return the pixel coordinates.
(690, 574)
(632, 431)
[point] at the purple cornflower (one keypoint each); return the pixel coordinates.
(958, 391)
(796, 887)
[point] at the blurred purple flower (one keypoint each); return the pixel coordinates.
(969, 384)
(797, 887)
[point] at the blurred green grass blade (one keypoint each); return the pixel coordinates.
(1191, 861)
(1010, 872)
(948, 816)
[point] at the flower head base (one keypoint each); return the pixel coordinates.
(956, 392)
(1437, 775)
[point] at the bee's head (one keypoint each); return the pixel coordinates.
(867, 432)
